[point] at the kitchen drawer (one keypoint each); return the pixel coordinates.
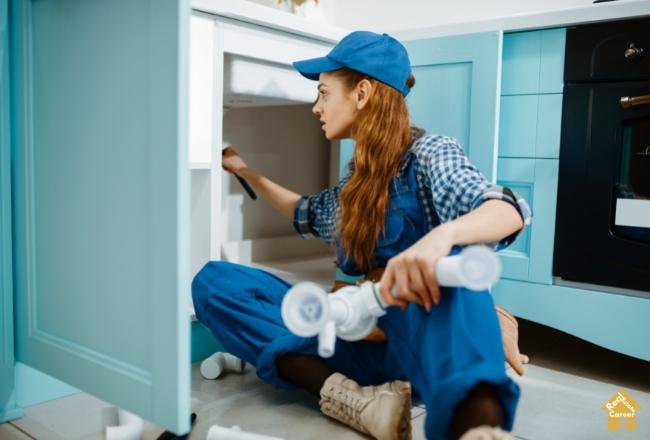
(529, 126)
(530, 257)
(533, 62)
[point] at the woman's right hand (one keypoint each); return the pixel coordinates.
(231, 161)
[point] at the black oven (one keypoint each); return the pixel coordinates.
(602, 231)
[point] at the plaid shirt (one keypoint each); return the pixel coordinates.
(448, 184)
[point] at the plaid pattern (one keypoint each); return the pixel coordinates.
(448, 184)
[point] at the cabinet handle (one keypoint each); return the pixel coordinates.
(627, 101)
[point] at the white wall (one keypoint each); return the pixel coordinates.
(397, 15)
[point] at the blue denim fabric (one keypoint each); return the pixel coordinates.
(404, 224)
(443, 353)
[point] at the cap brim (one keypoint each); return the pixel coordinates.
(313, 67)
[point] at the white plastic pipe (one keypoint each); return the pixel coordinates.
(475, 268)
(217, 432)
(213, 366)
(307, 310)
(130, 427)
(327, 339)
(338, 311)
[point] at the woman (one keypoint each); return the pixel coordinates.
(407, 200)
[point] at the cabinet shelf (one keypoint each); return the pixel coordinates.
(200, 165)
(319, 269)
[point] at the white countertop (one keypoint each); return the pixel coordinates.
(265, 16)
(536, 20)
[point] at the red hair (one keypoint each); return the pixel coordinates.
(383, 134)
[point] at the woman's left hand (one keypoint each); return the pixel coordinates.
(413, 271)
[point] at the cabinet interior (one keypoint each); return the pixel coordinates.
(286, 144)
(244, 91)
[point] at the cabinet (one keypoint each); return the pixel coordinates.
(263, 107)
(530, 257)
(456, 91)
(529, 144)
(110, 207)
(529, 139)
(112, 216)
(100, 189)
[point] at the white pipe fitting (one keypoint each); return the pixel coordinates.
(220, 362)
(351, 314)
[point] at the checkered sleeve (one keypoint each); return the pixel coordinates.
(459, 187)
(507, 195)
(315, 215)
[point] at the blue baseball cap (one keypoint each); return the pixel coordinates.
(381, 57)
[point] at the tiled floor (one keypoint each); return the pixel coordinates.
(565, 385)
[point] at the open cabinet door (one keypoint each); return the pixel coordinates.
(8, 408)
(101, 199)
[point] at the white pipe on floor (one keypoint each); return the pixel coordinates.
(217, 432)
(130, 427)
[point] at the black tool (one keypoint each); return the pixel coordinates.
(242, 181)
(247, 187)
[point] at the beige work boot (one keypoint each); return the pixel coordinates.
(486, 432)
(510, 336)
(383, 411)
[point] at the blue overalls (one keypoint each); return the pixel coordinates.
(443, 353)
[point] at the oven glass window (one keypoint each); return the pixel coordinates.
(631, 207)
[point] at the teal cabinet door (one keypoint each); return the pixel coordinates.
(8, 408)
(457, 92)
(101, 199)
(530, 257)
(531, 89)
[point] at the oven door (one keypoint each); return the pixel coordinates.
(603, 216)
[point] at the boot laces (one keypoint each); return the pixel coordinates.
(351, 405)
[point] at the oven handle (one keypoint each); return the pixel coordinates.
(627, 102)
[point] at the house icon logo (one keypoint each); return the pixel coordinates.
(621, 409)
